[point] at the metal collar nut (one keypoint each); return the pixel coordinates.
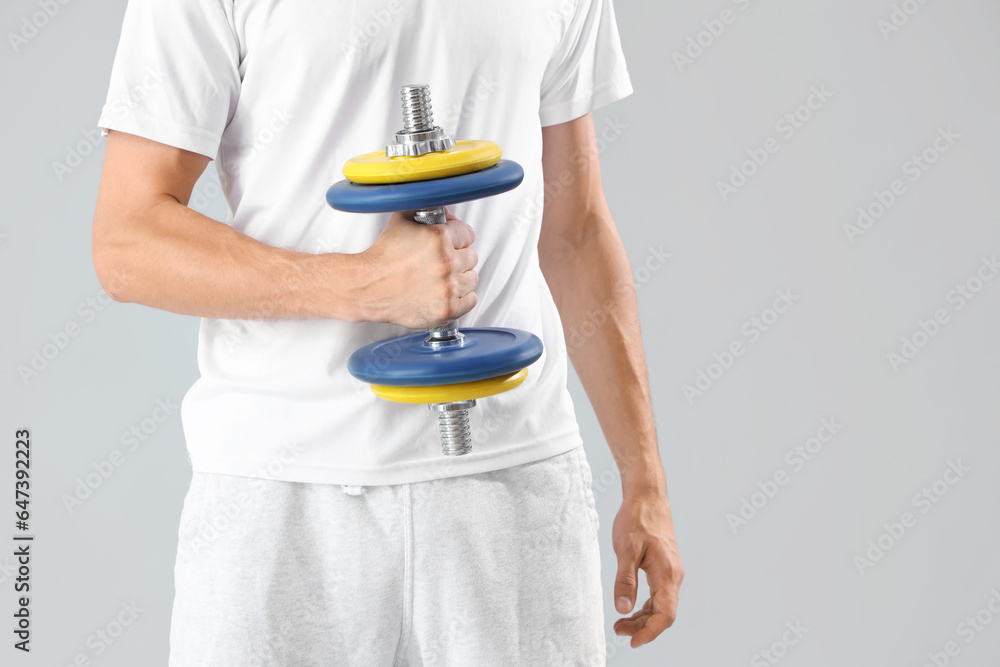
(411, 144)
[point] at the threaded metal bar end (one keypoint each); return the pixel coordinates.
(456, 433)
(417, 113)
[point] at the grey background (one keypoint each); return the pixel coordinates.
(825, 358)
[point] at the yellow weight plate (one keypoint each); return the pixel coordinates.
(465, 157)
(448, 393)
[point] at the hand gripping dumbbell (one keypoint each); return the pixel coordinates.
(447, 369)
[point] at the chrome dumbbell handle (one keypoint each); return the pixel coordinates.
(430, 216)
(446, 335)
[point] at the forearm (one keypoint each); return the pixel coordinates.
(591, 282)
(177, 259)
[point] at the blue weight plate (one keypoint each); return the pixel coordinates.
(405, 362)
(356, 198)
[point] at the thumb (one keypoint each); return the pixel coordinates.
(626, 582)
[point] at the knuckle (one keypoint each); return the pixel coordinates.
(627, 579)
(452, 289)
(442, 267)
(438, 234)
(627, 547)
(441, 309)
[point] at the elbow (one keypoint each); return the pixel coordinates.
(577, 226)
(109, 266)
(572, 241)
(552, 256)
(110, 274)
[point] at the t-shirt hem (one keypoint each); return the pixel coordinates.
(194, 139)
(602, 95)
(402, 473)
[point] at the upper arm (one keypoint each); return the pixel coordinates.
(574, 197)
(139, 174)
(174, 88)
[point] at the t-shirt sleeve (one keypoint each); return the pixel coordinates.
(176, 76)
(587, 70)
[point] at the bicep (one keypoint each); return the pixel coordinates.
(574, 196)
(139, 174)
(138, 170)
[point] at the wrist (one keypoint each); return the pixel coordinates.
(643, 478)
(355, 284)
(339, 287)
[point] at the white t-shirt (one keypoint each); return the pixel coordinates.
(281, 93)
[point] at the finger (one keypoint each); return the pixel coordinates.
(646, 610)
(462, 235)
(660, 610)
(629, 626)
(466, 283)
(626, 581)
(466, 259)
(652, 627)
(664, 584)
(465, 304)
(662, 602)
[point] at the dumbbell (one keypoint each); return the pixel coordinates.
(447, 368)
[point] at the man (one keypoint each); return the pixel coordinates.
(323, 526)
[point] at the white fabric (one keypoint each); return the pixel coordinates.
(281, 94)
(496, 569)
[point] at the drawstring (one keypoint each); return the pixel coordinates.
(352, 490)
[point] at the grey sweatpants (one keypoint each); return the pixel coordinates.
(498, 568)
